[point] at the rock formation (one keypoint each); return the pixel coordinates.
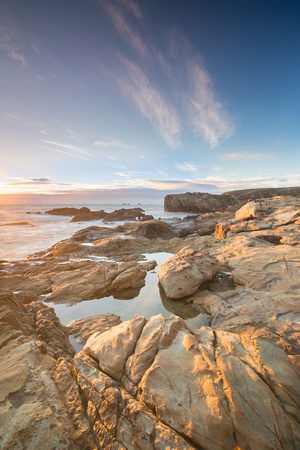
(182, 274)
(155, 384)
(198, 202)
(160, 382)
(84, 214)
(38, 408)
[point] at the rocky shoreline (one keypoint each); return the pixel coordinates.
(157, 383)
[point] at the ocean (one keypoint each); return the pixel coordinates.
(44, 230)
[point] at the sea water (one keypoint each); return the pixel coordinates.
(44, 230)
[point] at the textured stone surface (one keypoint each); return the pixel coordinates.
(183, 273)
(82, 329)
(197, 202)
(212, 388)
(34, 412)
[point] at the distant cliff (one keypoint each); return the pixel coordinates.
(199, 202)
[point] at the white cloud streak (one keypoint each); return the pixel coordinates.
(197, 105)
(122, 25)
(58, 150)
(68, 147)
(109, 144)
(132, 7)
(207, 117)
(11, 44)
(243, 156)
(151, 104)
(186, 167)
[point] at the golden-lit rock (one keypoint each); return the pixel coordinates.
(212, 388)
(183, 273)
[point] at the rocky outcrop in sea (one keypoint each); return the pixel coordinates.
(158, 382)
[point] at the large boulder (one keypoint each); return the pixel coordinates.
(183, 273)
(153, 229)
(168, 387)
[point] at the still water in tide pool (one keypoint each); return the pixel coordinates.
(44, 230)
(149, 301)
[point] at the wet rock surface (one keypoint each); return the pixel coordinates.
(158, 382)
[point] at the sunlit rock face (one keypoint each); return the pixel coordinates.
(156, 384)
(40, 402)
(197, 202)
(183, 273)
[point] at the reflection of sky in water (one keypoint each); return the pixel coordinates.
(147, 303)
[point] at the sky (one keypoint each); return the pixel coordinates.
(115, 100)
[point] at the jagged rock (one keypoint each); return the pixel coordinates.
(65, 248)
(183, 273)
(251, 210)
(82, 329)
(33, 411)
(221, 230)
(49, 329)
(207, 389)
(250, 225)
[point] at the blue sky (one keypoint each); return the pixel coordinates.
(103, 100)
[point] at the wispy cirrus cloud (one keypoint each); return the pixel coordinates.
(151, 103)
(108, 144)
(11, 44)
(81, 153)
(206, 114)
(186, 167)
(132, 7)
(61, 145)
(197, 107)
(41, 181)
(243, 156)
(122, 23)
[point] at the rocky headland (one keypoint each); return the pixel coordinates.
(198, 202)
(157, 383)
